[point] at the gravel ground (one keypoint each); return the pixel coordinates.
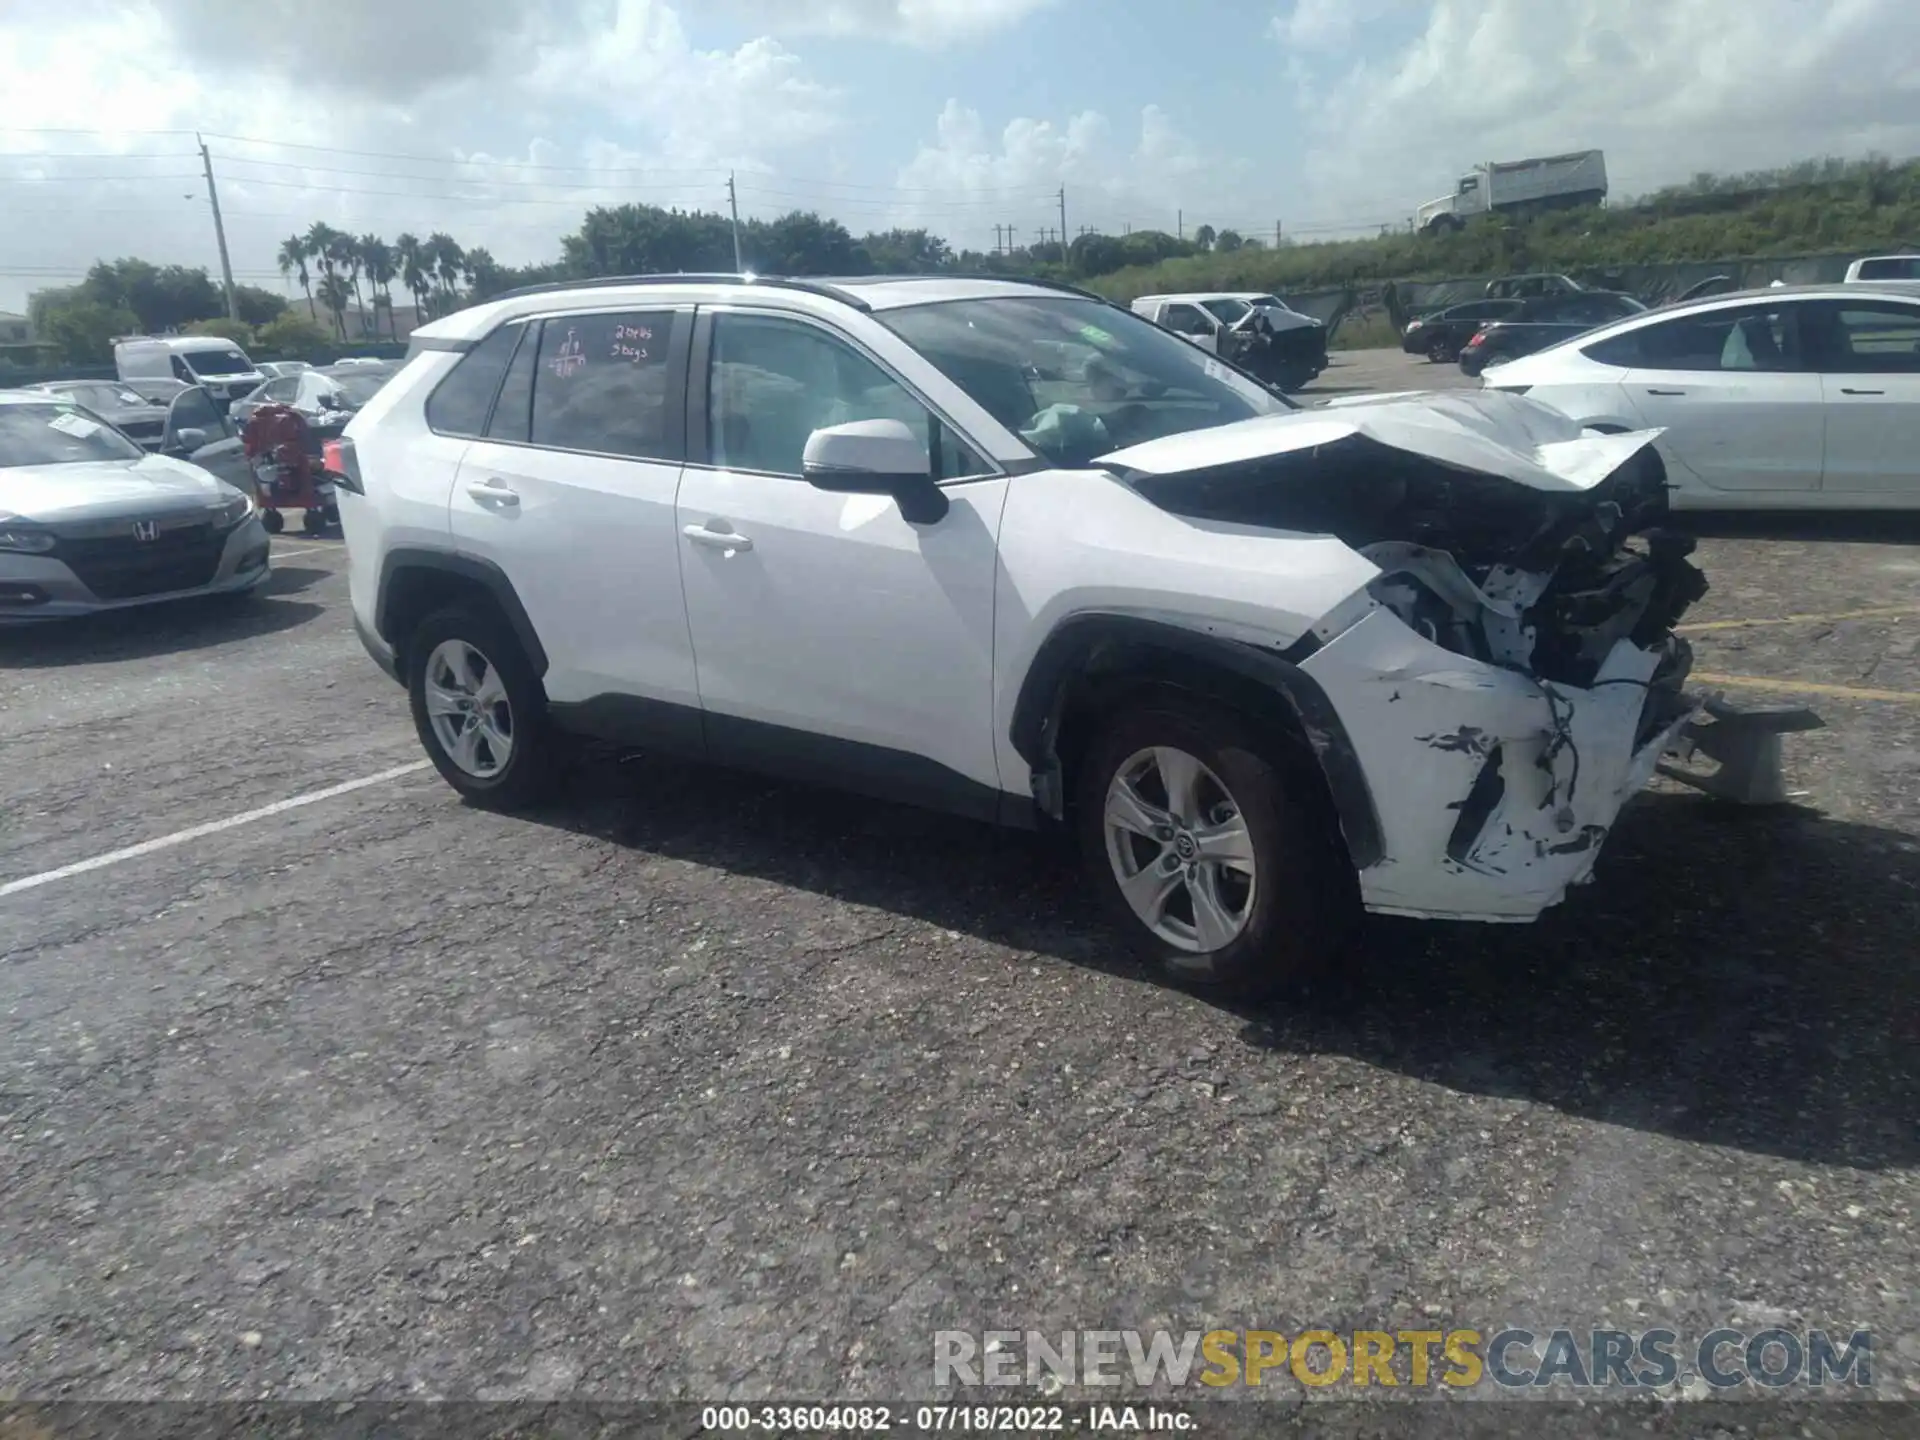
(698, 1086)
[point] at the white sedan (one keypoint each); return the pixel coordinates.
(1802, 397)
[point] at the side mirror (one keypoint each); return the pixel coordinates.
(876, 457)
(190, 439)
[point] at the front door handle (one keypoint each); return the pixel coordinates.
(716, 539)
(495, 491)
(1845, 391)
(1666, 392)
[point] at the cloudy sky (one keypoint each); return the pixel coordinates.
(501, 121)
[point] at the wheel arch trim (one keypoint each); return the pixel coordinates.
(484, 573)
(1040, 707)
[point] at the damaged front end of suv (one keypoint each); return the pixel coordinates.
(1511, 676)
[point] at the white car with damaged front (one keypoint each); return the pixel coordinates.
(1011, 551)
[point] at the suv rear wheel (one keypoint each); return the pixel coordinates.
(1208, 859)
(479, 709)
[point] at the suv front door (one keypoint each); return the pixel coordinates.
(834, 639)
(570, 492)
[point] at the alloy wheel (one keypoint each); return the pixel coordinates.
(468, 707)
(1180, 849)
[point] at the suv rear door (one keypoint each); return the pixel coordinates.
(570, 492)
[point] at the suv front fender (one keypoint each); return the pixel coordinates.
(1231, 672)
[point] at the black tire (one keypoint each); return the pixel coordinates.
(1304, 906)
(273, 521)
(1441, 352)
(532, 766)
(1471, 366)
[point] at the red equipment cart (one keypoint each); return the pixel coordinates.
(287, 469)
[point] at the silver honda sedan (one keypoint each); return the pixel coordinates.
(89, 521)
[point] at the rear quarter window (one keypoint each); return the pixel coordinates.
(460, 403)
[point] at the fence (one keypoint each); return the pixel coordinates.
(1400, 300)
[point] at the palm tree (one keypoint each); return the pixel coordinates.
(293, 261)
(377, 255)
(413, 271)
(335, 295)
(444, 254)
(353, 260)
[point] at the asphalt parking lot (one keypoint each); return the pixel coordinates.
(699, 1086)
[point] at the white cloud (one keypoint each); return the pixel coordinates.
(1666, 87)
(973, 179)
(537, 117)
(917, 22)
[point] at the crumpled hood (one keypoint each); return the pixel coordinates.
(1488, 432)
(153, 483)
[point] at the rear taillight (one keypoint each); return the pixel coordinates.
(1479, 338)
(339, 457)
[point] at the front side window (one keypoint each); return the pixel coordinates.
(773, 382)
(1187, 320)
(194, 410)
(1752, 338)
(601, 384)
(1868, 339)
(1076, 379)
(55, 434)
(1228, 312)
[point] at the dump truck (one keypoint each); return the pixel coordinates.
(1519, 187)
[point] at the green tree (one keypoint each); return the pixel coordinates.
(292, 335)
(335, 295)
(907, 252)
(258, 306)
(237, 331)
(445, 262)
(1227, 241)
(83, 329)
(1205, 236)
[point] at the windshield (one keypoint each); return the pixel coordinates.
(1896, 268)
(359, 386)
(218, 362)
(1228, 311)
(1077, 379)
(107, 397)
(1272, 302)
(55, 434)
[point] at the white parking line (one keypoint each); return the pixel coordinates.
(304, 550)
(212, 827)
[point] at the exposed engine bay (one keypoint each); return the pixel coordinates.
(1538, 582)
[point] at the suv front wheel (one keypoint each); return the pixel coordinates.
(479, 709)
(1207, 857)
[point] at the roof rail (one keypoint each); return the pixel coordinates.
(600, 282)
(1013, 280)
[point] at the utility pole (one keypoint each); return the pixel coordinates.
(1064, 253)
(733, 204)
(219, 234)
(1276, 234)
(1180, 224)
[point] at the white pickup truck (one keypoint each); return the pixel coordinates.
(1255, 330)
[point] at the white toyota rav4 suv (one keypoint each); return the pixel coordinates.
(1010, 550)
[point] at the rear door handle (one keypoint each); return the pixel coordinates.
(1845, 391)
(496, 491)
(716, 539)
(1666, 392)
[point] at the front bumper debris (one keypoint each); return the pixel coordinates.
(1746, 743)
(1495, 791)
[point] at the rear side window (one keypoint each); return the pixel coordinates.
(1903, 267)
(459, 403)
(1757, 338)
(602, 384)
(513, 411)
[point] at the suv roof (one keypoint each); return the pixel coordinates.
(861, 292)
